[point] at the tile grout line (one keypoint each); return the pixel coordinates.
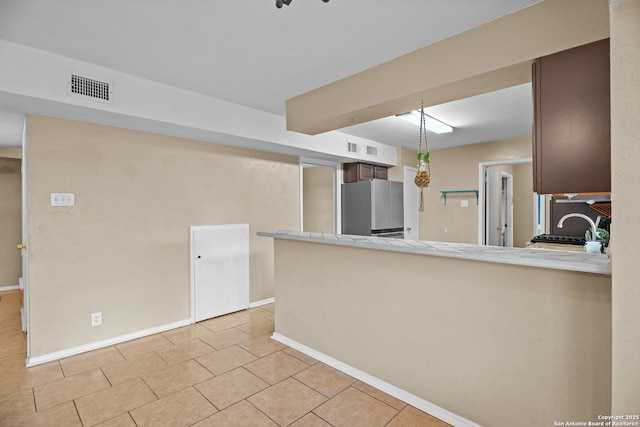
(75, 406)
(258, 353)
(326, 421)
(269, 385)
(260, 410)
(317, 406)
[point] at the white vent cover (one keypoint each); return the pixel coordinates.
(352, 147)
(97, 90)
(372, 151)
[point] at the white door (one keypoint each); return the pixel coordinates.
(411, 198)
(507, 209)
(220, 270)
(493, 230)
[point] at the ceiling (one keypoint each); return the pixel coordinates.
(251, 53)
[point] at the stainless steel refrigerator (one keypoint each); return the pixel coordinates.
(373, 208)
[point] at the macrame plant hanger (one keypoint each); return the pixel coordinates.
(423, 176)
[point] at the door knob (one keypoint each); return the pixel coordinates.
(408, 228)
(22, 246)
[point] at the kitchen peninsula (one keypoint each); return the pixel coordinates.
(472, 334)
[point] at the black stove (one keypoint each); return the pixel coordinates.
(558, 238)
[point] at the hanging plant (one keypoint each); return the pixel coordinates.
(423, 157)
(423, 176)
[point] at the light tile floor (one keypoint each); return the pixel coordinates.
(225, 371)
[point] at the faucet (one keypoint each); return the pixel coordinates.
(586, 218)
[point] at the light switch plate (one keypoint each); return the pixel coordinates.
(464, 203)
(63, 199)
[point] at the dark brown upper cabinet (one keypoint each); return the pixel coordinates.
(571, 123)
(353, 172)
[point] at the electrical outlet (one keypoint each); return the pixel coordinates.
(464, 203)
(63, 199)
(96, 319)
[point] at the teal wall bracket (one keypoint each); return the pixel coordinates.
(445, 192)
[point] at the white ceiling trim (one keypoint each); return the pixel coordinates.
(146, 105)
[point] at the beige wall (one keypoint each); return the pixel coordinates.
(501, 345)
(124, 248)
(317, 205)
(456, 168)
(459, 166)
(489, 57)
(625, 181)
(404, 157)
(10, 221)
(11, 152)
(522, 204)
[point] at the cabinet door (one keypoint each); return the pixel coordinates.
(572, 136)
(350, 172)
(537, 172)
(380, 172)
(366, 171)
(353, 172)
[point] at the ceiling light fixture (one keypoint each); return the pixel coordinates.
(279, 3)
(431, 124)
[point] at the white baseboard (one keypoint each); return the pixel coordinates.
(9, 288)
(398, 393)
(33, 361)
(262, 302)
(38, 360)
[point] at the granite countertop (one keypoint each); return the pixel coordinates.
(543, 258)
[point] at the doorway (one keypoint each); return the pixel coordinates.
(498, 187)
(514, 198)
(506, 209)
(11, 224)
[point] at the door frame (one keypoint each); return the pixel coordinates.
(482, 166)
(492, 187)
(505, 223)
(26, 312)
(337, 198)
(539, 214)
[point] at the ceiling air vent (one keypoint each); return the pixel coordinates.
(372, 151)
(352, 147)
(85, 87)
